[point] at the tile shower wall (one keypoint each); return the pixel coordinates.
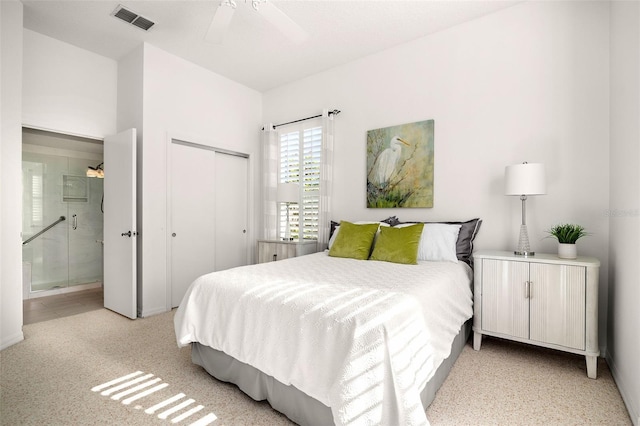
(66, 255)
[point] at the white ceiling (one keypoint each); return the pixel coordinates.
(254, 53)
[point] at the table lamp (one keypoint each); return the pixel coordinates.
(288, 193)
(524, 179)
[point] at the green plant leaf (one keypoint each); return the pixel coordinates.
(568, 233)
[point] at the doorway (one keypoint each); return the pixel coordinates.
(62, 214)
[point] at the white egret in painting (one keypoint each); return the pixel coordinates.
(387, 161)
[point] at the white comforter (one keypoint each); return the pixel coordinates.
(362, 337)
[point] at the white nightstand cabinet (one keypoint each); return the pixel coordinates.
(269, 251)
(541, 300)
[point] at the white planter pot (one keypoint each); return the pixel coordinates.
(567, 251)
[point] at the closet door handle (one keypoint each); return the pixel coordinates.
(74, 225)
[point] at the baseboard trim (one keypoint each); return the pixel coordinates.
(12, 340)
(151, 312)
(629, 402)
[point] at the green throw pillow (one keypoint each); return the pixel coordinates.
(354, 241)
(398, 245)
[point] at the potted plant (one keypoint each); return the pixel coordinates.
(567, 234)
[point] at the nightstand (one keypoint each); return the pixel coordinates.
(272, 250)
(541, 300)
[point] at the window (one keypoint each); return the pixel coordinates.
(300, 152)
(33, 199)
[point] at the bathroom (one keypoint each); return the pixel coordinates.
(62, 213)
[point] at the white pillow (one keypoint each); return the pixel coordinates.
(337, 228)
(333, 236)
(438, 241)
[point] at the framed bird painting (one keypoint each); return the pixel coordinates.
(400, 166)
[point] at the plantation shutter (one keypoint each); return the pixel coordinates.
(300, 152)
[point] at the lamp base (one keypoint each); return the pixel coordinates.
(287, 229)
(523, 243)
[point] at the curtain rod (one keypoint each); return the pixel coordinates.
(335, 111)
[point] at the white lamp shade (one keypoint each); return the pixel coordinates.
(525, 179)
(288, 193)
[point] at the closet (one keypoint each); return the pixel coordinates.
(208, 213)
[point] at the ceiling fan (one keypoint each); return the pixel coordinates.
(224, 12)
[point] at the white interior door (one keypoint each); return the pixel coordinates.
(231, 240)
(120, 223)
(192, 217)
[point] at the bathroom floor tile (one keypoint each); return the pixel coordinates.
(61, 305)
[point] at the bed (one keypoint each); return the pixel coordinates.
(329, 339)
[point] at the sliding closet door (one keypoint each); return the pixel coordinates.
(208, 214)
(231, 211)
(192, 217)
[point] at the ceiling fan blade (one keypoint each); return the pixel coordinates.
(219, 24)
(282, 22)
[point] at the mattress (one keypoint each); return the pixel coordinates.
(360, 337)
(290, 401)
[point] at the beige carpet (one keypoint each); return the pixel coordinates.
(48, 378)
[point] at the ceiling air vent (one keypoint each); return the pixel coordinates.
(132, 18)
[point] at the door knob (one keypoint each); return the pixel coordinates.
(173, 235)
(126, 234)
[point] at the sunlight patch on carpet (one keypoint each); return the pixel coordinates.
(138, 384)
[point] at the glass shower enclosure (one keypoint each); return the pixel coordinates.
(61, 223)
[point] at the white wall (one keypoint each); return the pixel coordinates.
(67, 89)
(10, 173)
(624, 247)
(130, 85)
(129, 113)
(184, 101)
(528, 83)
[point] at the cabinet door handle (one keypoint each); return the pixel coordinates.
(527, 289)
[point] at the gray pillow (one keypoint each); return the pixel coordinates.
(391, 220)
(468, 232)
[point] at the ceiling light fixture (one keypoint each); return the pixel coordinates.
(256, 3)
(233, 4)
(230, 3)
(221, 20)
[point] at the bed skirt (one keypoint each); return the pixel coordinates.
(295, 404)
